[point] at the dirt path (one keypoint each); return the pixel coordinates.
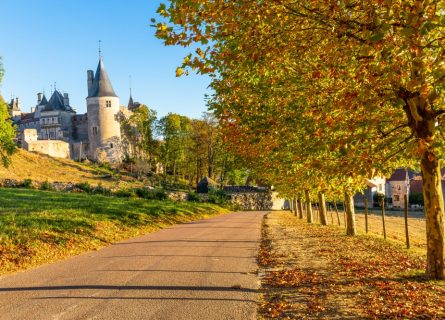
(316, 272)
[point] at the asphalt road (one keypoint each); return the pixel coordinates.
(199, 270)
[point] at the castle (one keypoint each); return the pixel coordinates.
(53, 127)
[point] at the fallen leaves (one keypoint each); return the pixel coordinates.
(359, 277)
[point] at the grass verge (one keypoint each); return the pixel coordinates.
(38, 227)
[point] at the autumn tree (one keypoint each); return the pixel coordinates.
(371, 73)
(7, 130)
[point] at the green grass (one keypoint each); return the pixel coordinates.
(43, 226)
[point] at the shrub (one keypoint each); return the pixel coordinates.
(99, 189)
(218, 196)
(193, 197)
(46, 186)
(416, 198)
(84, 186)
(27, 183)
(124, 193)
(158, 194)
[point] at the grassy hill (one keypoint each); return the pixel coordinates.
(40, 168)
(38, 227)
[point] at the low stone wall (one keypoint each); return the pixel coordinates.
(53, 148)
(252, 200)
(177, 195)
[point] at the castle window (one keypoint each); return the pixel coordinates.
(108, 104)
(94, 130)
(111, 145)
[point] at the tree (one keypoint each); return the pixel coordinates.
(7, 129)
(367, 76)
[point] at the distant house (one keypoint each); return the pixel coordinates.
(398, 185)
(373, 186)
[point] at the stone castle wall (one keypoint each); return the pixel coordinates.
(53, 148)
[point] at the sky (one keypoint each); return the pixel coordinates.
(47, 41)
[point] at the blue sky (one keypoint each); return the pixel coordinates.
(47, 41)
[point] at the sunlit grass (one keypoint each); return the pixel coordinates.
(42, 226)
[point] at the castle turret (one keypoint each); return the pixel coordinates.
(102, 108)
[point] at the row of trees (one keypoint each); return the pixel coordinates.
(318, 95)
(187, 149)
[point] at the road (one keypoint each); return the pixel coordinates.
(199, 270)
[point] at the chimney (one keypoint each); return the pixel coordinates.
(66, 100)
(90, 81)
(39, 97)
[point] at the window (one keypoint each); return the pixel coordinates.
(108, 104)
(396, 197)
(94, 130)
(111, 145)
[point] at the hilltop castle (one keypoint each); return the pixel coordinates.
(53, 127)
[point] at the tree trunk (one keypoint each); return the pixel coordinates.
(350, 215)
(322, 206)
(295, 207)
(338, 214)
(308, 207)
(434, 214)
(300, 208)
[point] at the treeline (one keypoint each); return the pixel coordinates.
(319, 95)
(179, 147)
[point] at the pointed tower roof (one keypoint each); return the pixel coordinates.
(130, 103)
(56, 103)
(102, 86)
(44, 101)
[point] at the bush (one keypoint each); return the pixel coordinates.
(99, 189)
(27, 183)
(218, 197)
(155, 194)
(123, 193)
(416, 198)
(193, 197)
(46, 186)
(84, 186)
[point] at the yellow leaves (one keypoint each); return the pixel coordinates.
(179, 72)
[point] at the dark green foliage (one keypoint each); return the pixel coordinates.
(218, 197)
(124, 193)
(46, 186)
(155, 194)
(416, 198)
(84, 186)
(99, 189)
(27, 183)
(193, 197)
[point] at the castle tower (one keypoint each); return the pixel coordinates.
(104, 133)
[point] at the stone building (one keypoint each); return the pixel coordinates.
(95, 135)
(104, 132)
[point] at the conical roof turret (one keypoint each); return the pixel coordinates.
(101, 85)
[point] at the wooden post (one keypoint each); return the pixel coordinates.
(366, 214)
(308, 207)
(382, 203)
(332, 215)
(406, 222)
(338, 214)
